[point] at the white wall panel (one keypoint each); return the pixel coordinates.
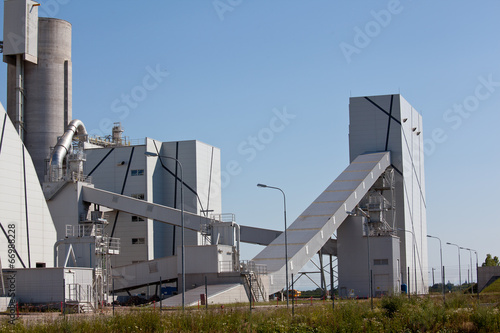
(31, 217)
(368, 131)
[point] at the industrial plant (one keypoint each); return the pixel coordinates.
(87, 219)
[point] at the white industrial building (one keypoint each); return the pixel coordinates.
(83, 204)
(127, 170)
(396, 205)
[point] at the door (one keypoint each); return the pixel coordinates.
(380, 284)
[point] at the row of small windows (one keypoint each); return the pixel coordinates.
(377, 262)
(137, 241)
(138, 172)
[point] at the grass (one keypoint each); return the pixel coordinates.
(492, 288)
(461, 313)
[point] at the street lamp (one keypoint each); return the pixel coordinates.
(414, 258)
(286, 240)
(442, 267)
(367, 216)
(459, 268)
(183, 262)
(470, 258)
(477, 276)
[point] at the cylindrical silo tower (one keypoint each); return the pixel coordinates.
(47, 91)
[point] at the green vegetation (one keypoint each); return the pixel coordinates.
(492, 288)
(466, 288)
(461, 313)
(489, 261)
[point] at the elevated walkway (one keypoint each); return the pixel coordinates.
(313, 228)
(142, 208)
(145, 273)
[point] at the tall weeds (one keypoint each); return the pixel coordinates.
(395, 314)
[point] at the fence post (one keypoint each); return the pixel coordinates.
(160, 294)
(206, 293)
(250, 278)
(293, 296)
(64, 298)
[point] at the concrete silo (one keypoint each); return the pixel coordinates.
(39, 92)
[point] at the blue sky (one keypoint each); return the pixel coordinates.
(224, 69)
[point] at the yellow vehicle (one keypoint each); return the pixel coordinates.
(294, 293)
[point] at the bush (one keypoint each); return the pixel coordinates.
(391, 305)
(485, 320)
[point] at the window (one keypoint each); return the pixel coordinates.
(40, 265)
(136, 241)
(377, 262)
(139, 196)
(136, 218)
(138, 172)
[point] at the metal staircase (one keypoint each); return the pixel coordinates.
(80, 298)
(252, 274)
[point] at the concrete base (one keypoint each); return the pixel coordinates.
(196, 280)
(4, 303)
(217, 294)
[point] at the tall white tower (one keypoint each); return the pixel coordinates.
(390, 123)
(39, 76)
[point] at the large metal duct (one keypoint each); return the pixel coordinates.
(47, 91)
(63, 147)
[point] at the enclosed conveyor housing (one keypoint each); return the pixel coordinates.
(314, 227)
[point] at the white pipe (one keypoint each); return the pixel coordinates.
(237, 229)
(63, 147)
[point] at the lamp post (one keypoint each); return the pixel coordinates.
(470, 258)
(459, 268)
(414, 258)
(442, 268)
(477, 276)
(286, 240)
(367, 216)
(183, 262)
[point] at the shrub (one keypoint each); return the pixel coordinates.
(391, 305)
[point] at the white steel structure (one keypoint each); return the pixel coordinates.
(22, 204)
(389, 123)
(314, 227)
(126, 170)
